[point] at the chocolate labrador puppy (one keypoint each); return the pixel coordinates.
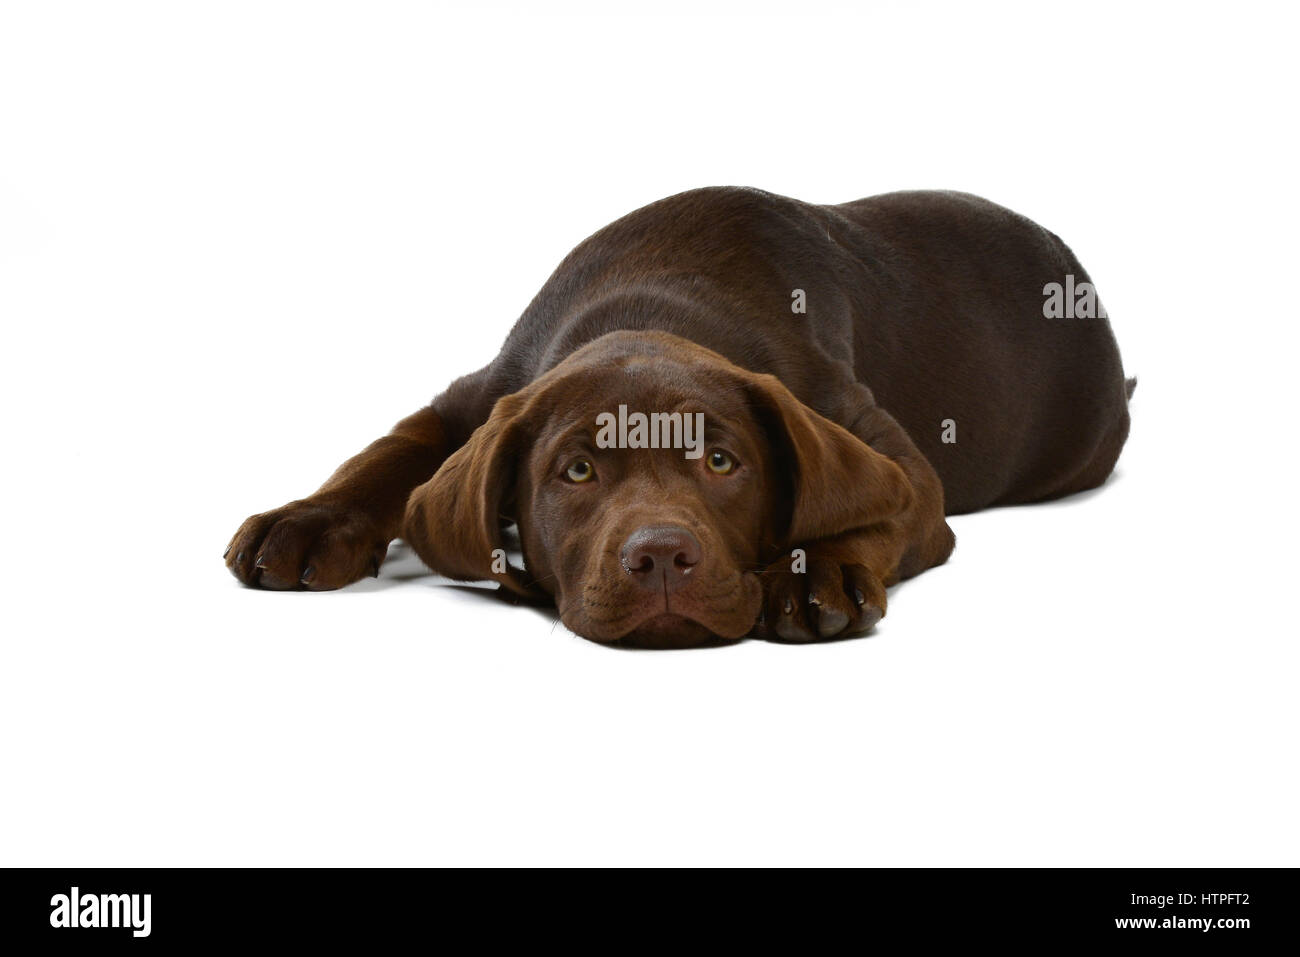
(731, 413)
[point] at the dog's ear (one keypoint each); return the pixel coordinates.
(833, 480)
(453, 521)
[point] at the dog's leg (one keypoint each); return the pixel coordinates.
(341, 533)
(837, 586)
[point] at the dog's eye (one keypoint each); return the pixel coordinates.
(720, 462)
(581, 471)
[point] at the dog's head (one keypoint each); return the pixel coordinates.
(637, 542)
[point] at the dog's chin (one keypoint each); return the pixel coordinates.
(671, 631)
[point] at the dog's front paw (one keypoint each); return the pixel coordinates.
(306, 545)
(825, 600)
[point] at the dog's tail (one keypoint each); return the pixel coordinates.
(1130, 385)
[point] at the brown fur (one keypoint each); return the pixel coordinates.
(925, 304)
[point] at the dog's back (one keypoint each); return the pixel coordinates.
(933, 300)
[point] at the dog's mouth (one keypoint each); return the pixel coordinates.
(712, 612)
(671, 631)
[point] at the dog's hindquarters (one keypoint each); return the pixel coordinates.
(1009, 400)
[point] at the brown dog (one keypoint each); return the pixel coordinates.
(785, 330)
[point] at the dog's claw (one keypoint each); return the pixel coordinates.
(831, 622)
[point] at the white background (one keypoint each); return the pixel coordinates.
(239, 241)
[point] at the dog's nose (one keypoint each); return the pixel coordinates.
(661, 556)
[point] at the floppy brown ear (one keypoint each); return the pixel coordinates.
(835, 481)
(453, 520)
